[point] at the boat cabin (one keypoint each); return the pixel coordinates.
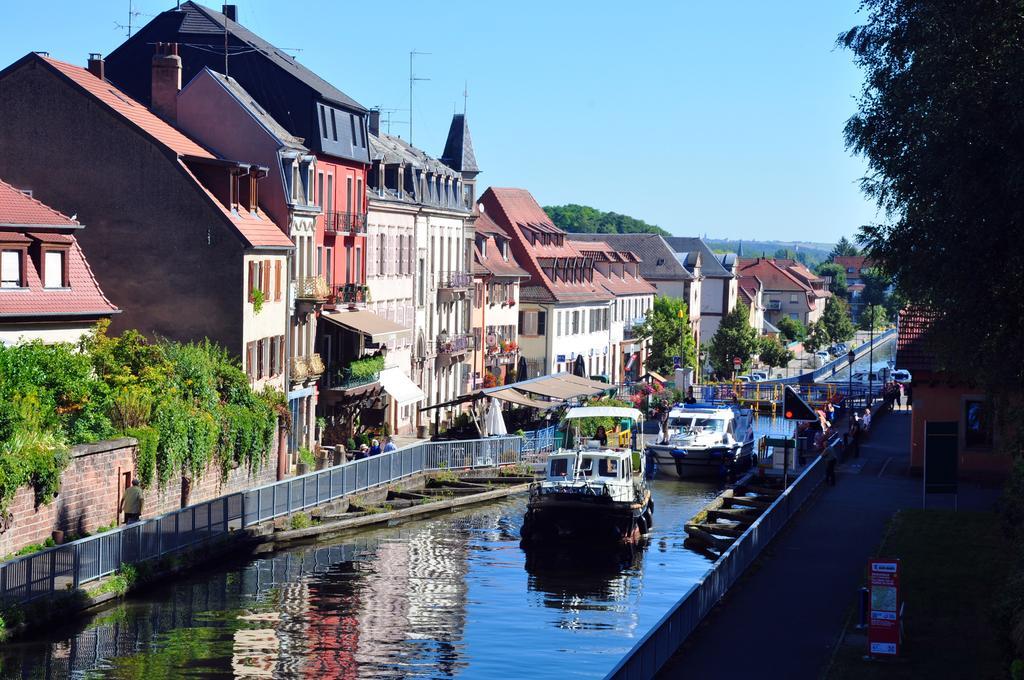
(597, 465)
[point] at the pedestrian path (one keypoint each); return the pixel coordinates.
(782, 619)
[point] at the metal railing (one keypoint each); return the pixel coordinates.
(455, 280)
(352, 294)
(312, 288)
(648, 655)
(68, 566)
(343, 222)
(454, 344)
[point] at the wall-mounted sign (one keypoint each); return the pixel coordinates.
(560, 358)
(885, 600)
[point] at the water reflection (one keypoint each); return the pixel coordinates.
(455, 596)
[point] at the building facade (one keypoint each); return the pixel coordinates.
(180, 243)
(785, 294)
(719, 283)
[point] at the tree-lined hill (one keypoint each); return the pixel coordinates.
(582, 219)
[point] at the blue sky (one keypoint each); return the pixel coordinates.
(702, 117)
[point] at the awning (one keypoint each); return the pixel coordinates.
(657, 376)
(403, 390)
(516, 397)
(562, 386)
(376, 327)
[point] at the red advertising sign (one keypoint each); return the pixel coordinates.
(885, 601)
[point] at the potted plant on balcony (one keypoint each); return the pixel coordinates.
(513, 346)
(490, 380)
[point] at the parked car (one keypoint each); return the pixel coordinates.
(759, 376)
(743, 378)
(901, 375)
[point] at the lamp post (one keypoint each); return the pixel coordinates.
(850, 356)
(682, 337)
(871, 353)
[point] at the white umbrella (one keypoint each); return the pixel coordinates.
(494, 423)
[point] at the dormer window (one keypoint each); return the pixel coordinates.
(55, 269)
(12, 268)
(504, 249)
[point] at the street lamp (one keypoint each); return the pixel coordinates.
(871, 353)
(850, 356)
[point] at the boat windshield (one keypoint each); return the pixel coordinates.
(559, 467)
(689, 422)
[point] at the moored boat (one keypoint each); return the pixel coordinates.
(592, 492)
(705, 440)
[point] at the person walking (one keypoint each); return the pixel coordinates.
(375, 447)
(910, 396)
(830, 465)
(131, 502)
(389, 445)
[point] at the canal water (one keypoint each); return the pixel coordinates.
(453, 596)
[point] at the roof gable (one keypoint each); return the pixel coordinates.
(712, 264)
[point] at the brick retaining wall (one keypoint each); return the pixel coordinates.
(90, 492)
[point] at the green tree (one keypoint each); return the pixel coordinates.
(817, 337)
(843, 249)
(838, 275)
(734, 338)
(774, 353)
(940, 127)
(876, 287)
(875, 314)
(791, 329)
(670, 335)
(836, 320)
(586, 220)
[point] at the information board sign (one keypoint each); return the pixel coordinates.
(884, 606)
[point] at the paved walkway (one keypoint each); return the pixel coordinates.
(782, 619)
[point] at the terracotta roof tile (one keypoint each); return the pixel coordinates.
(18, 208)
(913, 350)
(516, 210)
(82, 297)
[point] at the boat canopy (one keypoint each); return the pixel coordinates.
(604, 412)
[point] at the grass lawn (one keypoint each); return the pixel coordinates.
(953, 568)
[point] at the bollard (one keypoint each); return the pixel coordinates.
(862, 602)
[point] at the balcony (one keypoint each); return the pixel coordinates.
(312, 288)
(353, 295)
(453, 345)
(455, 280)
(773, 305)
(306, 368)
(342, 223)
(359, 373)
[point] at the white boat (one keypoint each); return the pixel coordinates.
(705, 441)
(592, 492)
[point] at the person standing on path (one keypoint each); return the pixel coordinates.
(830, 465)
(131, 502)
(388, 445)
(375, 447)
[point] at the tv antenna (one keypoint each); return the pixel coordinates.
(465, 96)
(132, 13)
(412, 81)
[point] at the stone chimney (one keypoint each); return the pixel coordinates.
(230, 11)
(96, 65)
(166, 81)
(374, 120)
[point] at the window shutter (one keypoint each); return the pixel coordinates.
(390, 261)
(371, 256)
(249, 353)
(266, 279)
(277, 280)
(280, 353)
(252, 279)
(259, 359)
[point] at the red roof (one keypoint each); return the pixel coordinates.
(82, 298)
(258, 230)
(20, 209)
(858, 262)
(775, 277)
(913, 351)
(494, 263)
(518, 212)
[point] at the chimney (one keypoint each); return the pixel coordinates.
(166, 81)
(96, 65)
(230, 11)
(375, 122)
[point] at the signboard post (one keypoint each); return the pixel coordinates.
(884, 621)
